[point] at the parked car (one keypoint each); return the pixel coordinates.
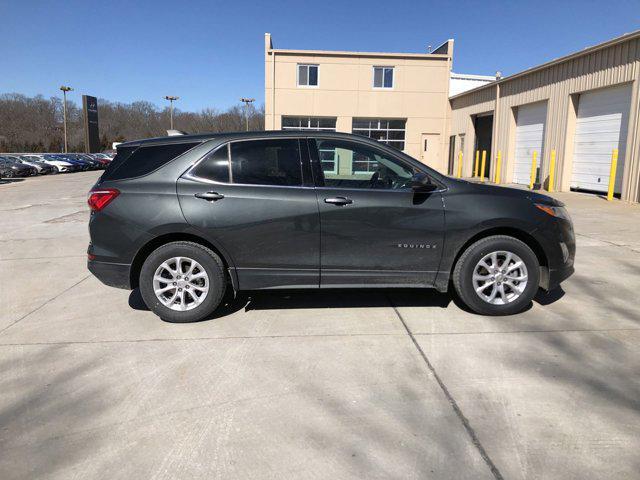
(5, 171)
(60, 165)
(102, 163)
(15, 169)
(81, 164)
(41, 167)
(314, 210)
(87, 159)
(103, 157)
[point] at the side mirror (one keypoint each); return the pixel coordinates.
(420, 182)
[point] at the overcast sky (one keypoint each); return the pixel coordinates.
(210, 53)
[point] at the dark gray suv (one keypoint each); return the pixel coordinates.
(186, 217)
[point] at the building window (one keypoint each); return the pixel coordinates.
(382, 77)
(386, 131)
(316, 124)
(307, 75)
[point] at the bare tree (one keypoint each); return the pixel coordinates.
(34, 124)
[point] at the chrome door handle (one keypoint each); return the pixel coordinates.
(210, 196)
(340, 201)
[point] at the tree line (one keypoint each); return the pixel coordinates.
(35, 124)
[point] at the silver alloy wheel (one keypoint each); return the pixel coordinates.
(181, 283)
(500, 277)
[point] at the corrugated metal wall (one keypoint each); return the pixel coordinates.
(556, 84)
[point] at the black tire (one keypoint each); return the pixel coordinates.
(463, 274)
(211, 263)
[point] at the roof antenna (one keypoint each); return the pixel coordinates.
(429, 49)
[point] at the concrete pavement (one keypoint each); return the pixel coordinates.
(365, 384)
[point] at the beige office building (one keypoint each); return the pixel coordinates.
(581, 106)
(401, 99)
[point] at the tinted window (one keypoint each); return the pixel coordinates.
(266, 162)
(353, 165)
(215, 166)
(144, 160)
(122, 154)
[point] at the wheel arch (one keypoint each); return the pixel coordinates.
(517, 233)
(156, 242)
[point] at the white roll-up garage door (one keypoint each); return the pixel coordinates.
(530, 122)
(601, 126)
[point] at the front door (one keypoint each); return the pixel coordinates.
(258, 211)
(375, 230)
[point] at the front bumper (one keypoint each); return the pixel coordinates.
(556, 276)
(111, 274)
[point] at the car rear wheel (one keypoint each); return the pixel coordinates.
(497, 275)
(182, 282)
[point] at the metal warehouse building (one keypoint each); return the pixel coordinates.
(582, 106)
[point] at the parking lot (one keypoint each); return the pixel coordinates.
(365, 384)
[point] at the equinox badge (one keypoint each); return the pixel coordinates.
(416, 245)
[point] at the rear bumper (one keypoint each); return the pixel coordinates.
(111, 274)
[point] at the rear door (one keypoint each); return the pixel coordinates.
(248, 197)
(375, 231)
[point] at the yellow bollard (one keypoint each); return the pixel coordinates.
(484, 163)
(534, 169)
(612, 174)
(459, 164)
(552, 170)
(475, 170)
(498, 166)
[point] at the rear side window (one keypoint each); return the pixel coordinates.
(143, 160)
(215, 166)
(267, 162)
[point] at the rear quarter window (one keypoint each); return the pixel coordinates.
(131, 162)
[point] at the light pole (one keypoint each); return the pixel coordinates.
(171, 99)
(65, 89)
(246, 102)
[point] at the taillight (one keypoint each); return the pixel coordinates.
(100, 198)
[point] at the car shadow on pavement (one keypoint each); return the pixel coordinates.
(339, 298)
(346, 298)
(545, 298)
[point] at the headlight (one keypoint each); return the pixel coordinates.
(554, 211)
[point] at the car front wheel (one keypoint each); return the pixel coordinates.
(182, 282)
(497, 275)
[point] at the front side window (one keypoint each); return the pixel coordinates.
(360, 166)
(389, 131)
(307, 75)
(383, 77)
(266, 162)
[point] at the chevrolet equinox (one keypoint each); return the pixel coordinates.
(186, 217)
